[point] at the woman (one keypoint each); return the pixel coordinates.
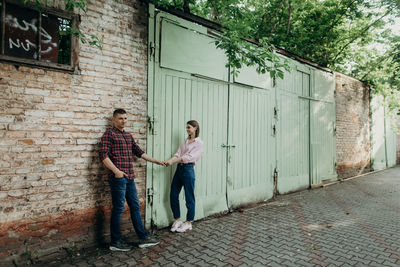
(187, 155)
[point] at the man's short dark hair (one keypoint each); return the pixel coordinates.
(119, 111)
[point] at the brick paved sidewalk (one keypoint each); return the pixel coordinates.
(354, 223)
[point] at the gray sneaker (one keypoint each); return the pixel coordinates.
(120, 246)
(148, 242)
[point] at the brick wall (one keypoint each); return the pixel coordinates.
(352, 127)
(53, 189)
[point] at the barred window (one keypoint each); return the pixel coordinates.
(36, 37)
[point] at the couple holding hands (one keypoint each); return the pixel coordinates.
(117, 148)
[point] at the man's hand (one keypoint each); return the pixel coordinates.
(120, 174)
(158, 162)
(167, 163)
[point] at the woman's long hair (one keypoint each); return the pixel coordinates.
(195, 124)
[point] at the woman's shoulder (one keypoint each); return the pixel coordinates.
(198, 140)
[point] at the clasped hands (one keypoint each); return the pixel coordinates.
(163, 163)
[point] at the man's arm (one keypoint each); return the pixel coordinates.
(110, 165)
(148, 158)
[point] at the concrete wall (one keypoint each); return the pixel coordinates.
(352, 126)
(53, 188)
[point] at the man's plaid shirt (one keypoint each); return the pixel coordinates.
(120, 147)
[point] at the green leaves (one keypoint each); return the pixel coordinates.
(92, 40)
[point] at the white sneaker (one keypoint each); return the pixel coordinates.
(176, 225)
(185, 227)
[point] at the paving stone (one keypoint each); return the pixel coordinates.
(354, 223)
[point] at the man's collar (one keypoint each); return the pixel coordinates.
(123, 130)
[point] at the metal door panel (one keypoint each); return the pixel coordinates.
(322, 122)
(251, 146)
(378, 144)
(189, 51)
(293, 132)
(390, 142)
(180, 98)
(249, 76)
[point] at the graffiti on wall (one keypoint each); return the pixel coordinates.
(22, 34)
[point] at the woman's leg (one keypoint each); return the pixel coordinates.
(176, 187)
(189, 181)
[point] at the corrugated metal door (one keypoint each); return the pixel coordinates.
(383, 139)
(250, 126)
(322, 123)
(306, 132)
(180, 95)
(180, 98)
(378, 142)
(391, 142)
(251, 146)
(293, 131)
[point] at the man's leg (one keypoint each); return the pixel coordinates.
(118, 188)
(134, 206)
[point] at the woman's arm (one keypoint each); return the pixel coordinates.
(173, 160)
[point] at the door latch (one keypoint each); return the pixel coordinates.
(227, 146)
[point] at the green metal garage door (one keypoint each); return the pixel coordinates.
(192, 82)
(306, 129)
(293, 131)
(251, 127)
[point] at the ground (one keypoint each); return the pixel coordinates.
(351, 223)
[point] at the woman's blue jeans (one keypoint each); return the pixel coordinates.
(121, 189)
(184, 176)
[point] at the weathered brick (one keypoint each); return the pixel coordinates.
(352, 126)
(54, 121)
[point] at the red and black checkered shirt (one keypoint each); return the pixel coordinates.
(120, 147)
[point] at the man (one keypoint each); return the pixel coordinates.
(117, 148)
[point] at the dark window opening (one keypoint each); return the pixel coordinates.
(35, 37)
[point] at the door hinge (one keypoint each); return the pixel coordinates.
(273, 130)
(151, 120)
(275, 182)
(334, 128)
(149, 196)
(152, 49)
(275, 112)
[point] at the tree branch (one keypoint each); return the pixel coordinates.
(360, 34)
(289, 17)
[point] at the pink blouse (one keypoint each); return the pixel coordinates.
(190, 151)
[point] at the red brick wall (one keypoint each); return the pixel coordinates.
(53, 188)
(352, 127)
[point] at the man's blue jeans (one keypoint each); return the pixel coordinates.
(184, 176)
(121, 189)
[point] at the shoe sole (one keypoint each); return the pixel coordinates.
(120, 249)
(187, 230)
(148, 245)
